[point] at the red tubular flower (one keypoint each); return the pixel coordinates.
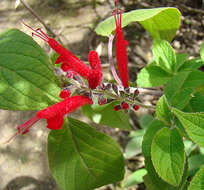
(121, 52)
(94, 61)
(70, 61)
(55, 114)
(95, 76)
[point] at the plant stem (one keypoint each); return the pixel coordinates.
(111, 95)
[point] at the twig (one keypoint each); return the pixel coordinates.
(194, 10)
(39, 19)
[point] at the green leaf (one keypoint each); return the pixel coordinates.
(27, 80)
(134, 146)
(179, 93)
(152, 75)
(193, 124)
(197, 181)
(163, 111)
(202, 51)
(106, 115)
(196, 103)
(195, 79)
(145, 120)
(164, 55)
(159, 22)
(82, 158)
(153, 184)
(195, 162)
(191, 64)
(180, 60)
(153, 179)
(135, 178)
(155, 126)
(168, 155)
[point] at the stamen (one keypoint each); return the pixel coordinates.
(34, 34)
(116, 22)
(39, 29)
(118, 14)
(24, 128)
(120, 23)
(38, 32)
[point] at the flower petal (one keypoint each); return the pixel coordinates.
(55, 123)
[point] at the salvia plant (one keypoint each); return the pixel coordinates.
(80, 158)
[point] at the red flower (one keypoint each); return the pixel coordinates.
(121, 52)
(71, 62)
(55, 114)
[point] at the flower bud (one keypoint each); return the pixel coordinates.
(117, 107)
(136, 107)
(124, 105)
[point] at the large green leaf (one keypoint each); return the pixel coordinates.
(164, 55)
(198, 181)
(81, 158)
(152, 75)
(159, 22)
(168, 155)
(106, 115)
(152, 180)
(26, 80)
(193, 124)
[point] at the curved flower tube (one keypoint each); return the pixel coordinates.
(121, 52)
(54, 114)
(71, 62)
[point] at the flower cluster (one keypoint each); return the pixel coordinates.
(75, 69)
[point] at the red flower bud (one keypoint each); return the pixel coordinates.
(65, 93)
(117, 107)
(94, 61)
(136, 107)
(124, 105)
(102, 100)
